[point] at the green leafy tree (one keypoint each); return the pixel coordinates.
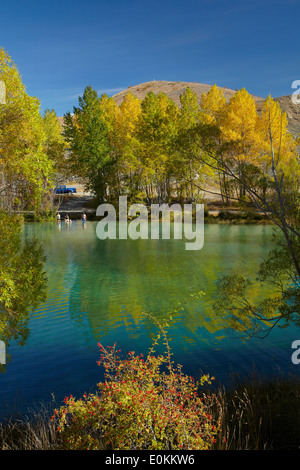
(87, 135)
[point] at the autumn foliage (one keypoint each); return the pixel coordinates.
(143, 403)
(26, 167)
(156, 151)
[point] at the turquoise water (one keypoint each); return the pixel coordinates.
(98, 291)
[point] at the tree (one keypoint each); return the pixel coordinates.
(55, 145)
(156, 130)
(26, 170)
(239, 128)
(86, 133)
(269, 186)
(125, 147)
(186, 168)
(213, 106)
(274, 137)
(55, 148)
(128, 143)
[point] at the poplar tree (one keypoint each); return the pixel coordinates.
(126, 146)
(186, 168)
(26, 171)
(156, 131)
(257, 152)
(25, 178)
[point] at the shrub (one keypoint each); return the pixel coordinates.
(143, 403)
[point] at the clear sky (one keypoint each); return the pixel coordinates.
(60, 47)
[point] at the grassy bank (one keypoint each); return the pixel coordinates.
(259, 415)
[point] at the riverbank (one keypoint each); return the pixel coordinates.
(214, 211)
(258, 415)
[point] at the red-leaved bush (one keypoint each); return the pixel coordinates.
(143, 403)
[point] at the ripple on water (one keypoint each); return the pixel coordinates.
(98, 291)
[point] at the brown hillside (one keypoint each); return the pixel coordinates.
(175, 89)
(171, 89)
(293, 113)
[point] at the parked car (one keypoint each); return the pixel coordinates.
(63, 189)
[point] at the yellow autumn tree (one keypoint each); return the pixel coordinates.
(239, 125)
(268, 173)
(213, 106)
(56, 149)
(26, 170)
(55, 145)
(275, 137)
(256, 140)
(239, 129)
(156, 130)
(126, 144)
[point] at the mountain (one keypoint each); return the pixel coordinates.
(293, 113)
(172, 89)
(175, 89)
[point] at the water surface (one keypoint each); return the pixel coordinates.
(98, 291)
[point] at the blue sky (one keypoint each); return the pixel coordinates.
(60, 47)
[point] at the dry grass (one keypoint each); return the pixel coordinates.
(34, 431)
(260, 415)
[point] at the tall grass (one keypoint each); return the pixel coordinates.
(34, 431)
(259, 415)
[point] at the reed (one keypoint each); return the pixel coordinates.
(33, 431)
(258, 415)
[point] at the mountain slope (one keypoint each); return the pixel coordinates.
(175, 89)
(172, 89)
